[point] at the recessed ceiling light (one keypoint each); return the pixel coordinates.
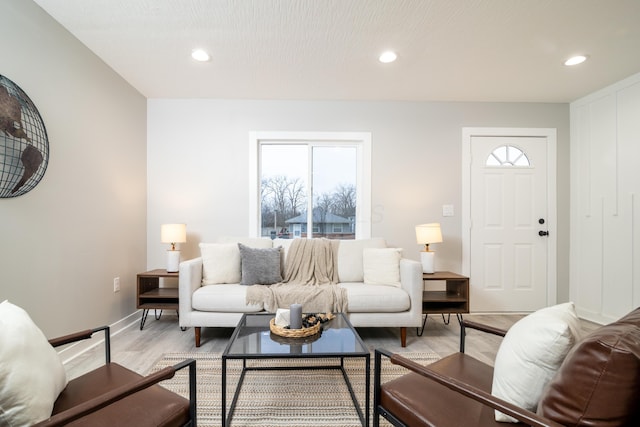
(388, 56)
(575, 60)
(200, 55)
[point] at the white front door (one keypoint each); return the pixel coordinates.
(509, 250)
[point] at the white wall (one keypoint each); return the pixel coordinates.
(198, 165)
(84, 223)
(605, 201)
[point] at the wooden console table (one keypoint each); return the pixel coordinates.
(454, 299)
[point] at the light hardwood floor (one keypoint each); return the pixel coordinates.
(139, 350)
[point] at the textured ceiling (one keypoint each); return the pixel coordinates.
(448, 50)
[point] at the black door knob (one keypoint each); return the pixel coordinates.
(543, 233)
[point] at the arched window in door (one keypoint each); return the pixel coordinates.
(508, 155)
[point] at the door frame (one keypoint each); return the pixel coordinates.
(550, 134)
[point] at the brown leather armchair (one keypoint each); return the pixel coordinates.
(114, 395)
(598, 383)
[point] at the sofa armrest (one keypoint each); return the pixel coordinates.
(469, 391)
(189, 279)
(119, 393)
(411, 282)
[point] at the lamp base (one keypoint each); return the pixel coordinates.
(173, 261)
(428, 264)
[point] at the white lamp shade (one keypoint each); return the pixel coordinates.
(428, 233)
(173, 233)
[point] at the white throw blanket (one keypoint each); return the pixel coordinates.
(310, 279)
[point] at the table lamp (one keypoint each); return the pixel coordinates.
(425, 235)
(173, 233)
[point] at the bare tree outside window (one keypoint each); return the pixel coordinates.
(286, 182)
(344, 200)
(282, 198)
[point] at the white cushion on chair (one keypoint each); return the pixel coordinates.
(31, 373)
(531, 353)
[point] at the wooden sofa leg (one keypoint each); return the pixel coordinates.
(403, 336)
(197, 330)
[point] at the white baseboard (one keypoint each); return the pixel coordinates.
(69, 352)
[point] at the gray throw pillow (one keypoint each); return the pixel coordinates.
(260, 266)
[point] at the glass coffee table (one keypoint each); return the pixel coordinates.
(252, 339)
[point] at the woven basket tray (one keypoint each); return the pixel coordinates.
(295, 340)
(294, 333)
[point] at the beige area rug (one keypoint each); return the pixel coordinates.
(281, 398)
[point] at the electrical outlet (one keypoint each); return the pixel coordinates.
(116, 284)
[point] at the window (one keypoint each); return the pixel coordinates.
(507, 155)
(310, 185)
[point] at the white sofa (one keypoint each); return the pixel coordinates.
(222, 300)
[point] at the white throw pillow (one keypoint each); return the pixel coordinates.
(350, 268)
(220, 263)
(381, 266)
(285, 243)
(531, 353)
(31, 373)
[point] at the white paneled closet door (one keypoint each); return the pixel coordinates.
(605, 201)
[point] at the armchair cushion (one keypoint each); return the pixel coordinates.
(598, 382)
(152, 406)
(419, 402)
(531, 353)
(31, 373)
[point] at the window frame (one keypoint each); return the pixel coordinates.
(507, 162)
(362, 142)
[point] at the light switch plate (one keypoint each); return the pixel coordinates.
(447, 210)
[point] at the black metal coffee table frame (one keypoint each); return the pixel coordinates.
(228, 354)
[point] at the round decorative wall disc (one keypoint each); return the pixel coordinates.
(24, 146)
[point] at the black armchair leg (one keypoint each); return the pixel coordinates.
(191, 363)
(378, 410)
(376, 387)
